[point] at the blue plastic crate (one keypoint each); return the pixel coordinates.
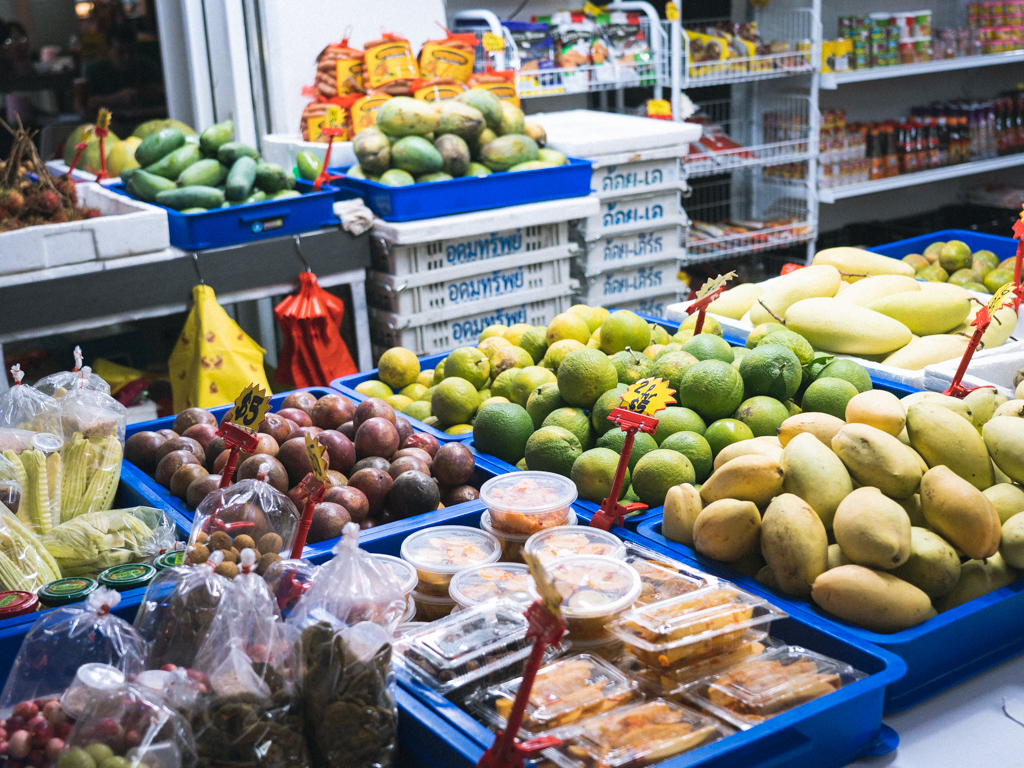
(445, 198)
(1003, 247)
(256, 221)
(939, 653)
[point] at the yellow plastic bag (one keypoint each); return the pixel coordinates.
(214, 359)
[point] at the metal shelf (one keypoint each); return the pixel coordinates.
(832, 194)
(833, 80)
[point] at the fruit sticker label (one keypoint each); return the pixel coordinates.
(315, 454)
(648, 396)
(250, 407)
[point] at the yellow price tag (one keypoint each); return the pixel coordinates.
(648, 396)
(493, 42)
(659, 107)
(250, 407)
(1003, 296)
(103, 118)
(315, 453)
(549, 595)
(671, 11)
(713, 285)
(594, 10)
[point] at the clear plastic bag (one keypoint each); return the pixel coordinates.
(94, 427)
(10, 484)
(56, 385)
(248, 717)
(345, 680)
(25, 565)
(288, 581)
(64, 639)
(251, 514)
(177, 611)
(95, 541)
(25, 407)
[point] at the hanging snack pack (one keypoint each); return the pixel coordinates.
(57, 384)
(94, 427)
(64, 640)
(177, 611)
(364, 111)
(534, 44)
(25, 565)
(452, 57)
(345, 680)
(390, 65)
(437, 89)
(339, 70)
(502, 85)
(333, 113)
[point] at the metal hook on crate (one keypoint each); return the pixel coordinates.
(195, 265)
(298, 249)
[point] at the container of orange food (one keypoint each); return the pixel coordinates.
(566, 540)
(496, 581)
(595, 591)
(440, 552)
(512, 543)
(527, 502)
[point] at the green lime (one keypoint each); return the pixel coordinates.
(760, 331)
(672, 346)
(624, 329)
(527, 380)
(558, 351)
(521, 465)
(603, 407)
(510, 357)
(695, 448)
(502, 431)
(426, 377)
(630, 497)
(675, 419)
(584, 376)
(614, 439)
(707, 346)
(964, 276)
(492, 330)
(631, 366)
(726, 432)
(984, 262)
(653, 351)
(515, 333)
(850, 371)
(398, 367)
(590, 316)
(468, 363)
(398, 402)
(792, 340)
(568, 325)
(576, 421)
(997, 278)
(672, 367)
(492, 345)
(657, 472)
(710, 325)
(712, 388)
(490, 401)
(828, 395)
(932, 251)
(553, 449)
(374, 388)
(542, 401)
(932, 274)
(502, 384)
(793, 408)
(439, 372)
(764, 415)
(594, 472)
(535, 342)
(413, 391)
(955, 255)
(771, 369)
(459, 429)
(454, 401)
(658, 334)
(427, 394)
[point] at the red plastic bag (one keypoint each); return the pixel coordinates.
(314, 352)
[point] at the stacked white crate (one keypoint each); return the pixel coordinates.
(437, 283)
(631, 249)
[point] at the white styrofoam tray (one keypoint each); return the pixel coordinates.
(997, 368)
(611, 181)
(642, 281)
(60, 168)
(127, 227)
(632, 248)
(586, 133)
(634, 213)
(282, 148)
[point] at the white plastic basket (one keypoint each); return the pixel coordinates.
(644, 246)
(654, 306)
(633, 213)
(621, 180)
(640, 282)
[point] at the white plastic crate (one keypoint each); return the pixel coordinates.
(390, 330)
(640, 282)
(633, 213)
(621, 180)
(127, 228)
(505, 277)
(631, 249)
(589, 133)
(654, 306)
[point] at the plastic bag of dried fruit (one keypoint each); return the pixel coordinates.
(248, 716)
(345, 679)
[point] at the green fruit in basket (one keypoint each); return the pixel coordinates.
(848, 370)
(553, 449)
(478, 170)
(552, 156)
(229, 153)
(712, 388)
(614, 439)
(159, 145)
(594, 472)
(258, 196)
(631, 366)
(396, 177)
(486, 102)
(508, 151)
(416, 155)
(147, 186)
(216, 136)
(485, 137)
(963, 276)
(997, 278)
(205, 173)
(403, 116)
(624, 329)
(426, 178)
(241, 179)
(543, 401)
(454, 401)
(419, 410)
(513, 122)
(356, 172)
(454, 153)
(828, 395)
(603, 407)
(191, 197)
(975, 287)
(984, 262)
(536, 132)
(526, 381)
(531, 165)
(955, 255)
(764, 415)
(794, 341)
(576, 421)
(502, 429)
(172, 165)
(584, 376)
(271, 177)
(755, 336)
(694, 447)
(933, 274)
(707, 346)
(468, 363)
(672, 367)
(308, 164)
(152, 126)
(373, 150)
(535, 342)
(459, 119)
(285, 194)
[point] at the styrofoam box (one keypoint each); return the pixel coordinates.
(640, 282)
(613, 181)
(630, 249)
(282, 148)
(588, 133)
(654, 306)
(503, 279)
(60, 168)
(633, 213)
(127, 228)
(996, 368)
(389, 330)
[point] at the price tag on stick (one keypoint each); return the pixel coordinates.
(312, 487)
(102, 130)
(250, 407)
(1007, 296)
(708, 293)
(239, 431)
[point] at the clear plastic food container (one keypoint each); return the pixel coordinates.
(635, 736)
(695, 626)
(512, 543)
(567, 691)
(404, 573)
(439, 553)
(527, 502)
(410, 610)
(661, 583)
(499, 581)
(774, 682)
(595, 590)
(565, 541)
(428, 607)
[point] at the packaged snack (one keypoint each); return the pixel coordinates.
(534, 44)
(499, 581)
(566, 540)
(451, 57)
(364, 111)
(774, 682)
(526, 502)
(661, 582)
(57, 384)
(634, 736)
(568, 691)
(628, 48)
(321, 114)
(502, 85)
(437, 89)
(705, 48)
(96, 541)
(512, 543)
(64, 639)
(25, 565)
(595, 590)
(389, 61)
(339, 70)
(573, 35)
(25, 407)
(694, 626)
(440, 552)
(10, 484)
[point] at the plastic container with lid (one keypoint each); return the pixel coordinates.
(170, 559)
(90, 679)
(127, 576)
(595, 590)
(694, 626)
(660, 582)
(564, 692)
(634, 736)
(410, 611)
(440, 552)
(428, 607)
(17, 603)
(403, 571)
(527, 502)
(566, 541)
(767, 685)
(65, 591)
(512, 543)
(497, 581)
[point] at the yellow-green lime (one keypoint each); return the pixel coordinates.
(630, 497)
(492, 345)
(711, 325)
(510, 357)
(738, 354)
(558, 351)
(673, 367)
(468, 363)
(997, 278)
(483, 394)
(725, 432)
(771, 369)
(707, 346)
(439, 372)
(398, 402)
(521, 465)
(828, 395)
(426, 377)
(568, 325)
(672, 346)
(793, 408)
(762, 330)
(419, 410)
(454, 401)
(658, 334)
(599, 414)
(932, 251)
(413, 391)
(624, 329)
(712, 388)
(984, 262)
(955, 254)
(631, 366)
(502, 384)
(850, 371)
(590, 315)
(491, 401)
(428, 393)
(696, 449)
(576, 421)
(374, 388)
(657, 472)
(676, 419)
(515, 332)
(398, 367)
(527, 380)
(764, 415)
(800, 346)
(681, 337)
(594, 472)
(459, 429)
(535, 342)
(652, 351)
(542, 401)
(595, 335)
(615, 439)
(492, 330)
(593, 344)
(502, 431)
(584, 376)
(553, 449)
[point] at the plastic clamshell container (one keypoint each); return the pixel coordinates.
(567, 540)
(402, 570)
(693, 626)
(256, 221)
(444, 198)
(497, 581)
(512, 543)
(440, 552)
(527, 502)
(566, 691)
(595, 590)
(428, 607)
(635, 736)
(766, 685)
(660, 583)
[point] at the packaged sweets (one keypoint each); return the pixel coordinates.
(595, 590)
(534, 44)
(663, 582)
(440, 552)
(565, 540)
(320, 114)
(497, 581)
(452, 57)
(769, 684)
(25, 565)
(389, 61)
(431, 607)
(437, 89)
(364, 111)
(10, 484)
(26, 408)
(512, 543)
(526, 502)
(339, 70)
(502, 85)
